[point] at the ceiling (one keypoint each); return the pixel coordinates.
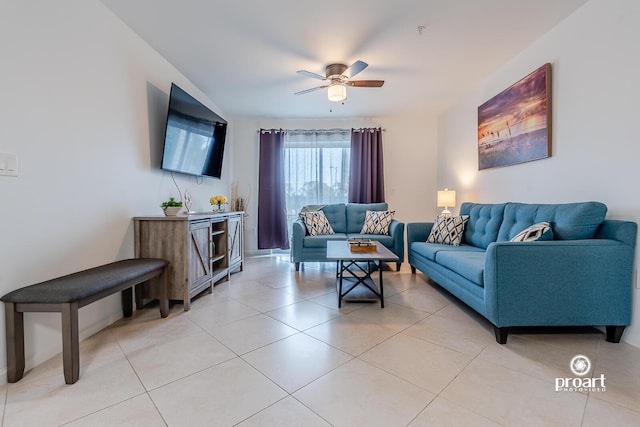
(244, 54)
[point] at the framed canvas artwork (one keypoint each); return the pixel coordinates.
(515, 125)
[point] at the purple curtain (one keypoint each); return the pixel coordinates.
(366, 174)
(272, 210)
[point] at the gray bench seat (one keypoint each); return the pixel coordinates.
(66, 295)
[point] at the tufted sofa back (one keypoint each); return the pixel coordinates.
(336, 214)
(569, 221)
(356, 213)
(484, 223)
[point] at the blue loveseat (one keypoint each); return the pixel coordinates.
(583, 276)
(347, 221)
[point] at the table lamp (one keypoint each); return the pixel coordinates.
(446, 199)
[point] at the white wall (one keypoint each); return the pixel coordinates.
(409, 145)
(83, 106)
(595, 152)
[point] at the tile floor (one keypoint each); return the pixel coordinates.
(270, 348)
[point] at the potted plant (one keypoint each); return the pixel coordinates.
(171, 207)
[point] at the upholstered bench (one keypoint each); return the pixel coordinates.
(69, 293)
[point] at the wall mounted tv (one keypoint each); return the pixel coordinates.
(194, 137)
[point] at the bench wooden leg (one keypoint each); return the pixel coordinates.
(163, 298)
(139, 297)
(14, 323)
(70, 342)
(127, 302)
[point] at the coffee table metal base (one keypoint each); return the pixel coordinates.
(352, 274)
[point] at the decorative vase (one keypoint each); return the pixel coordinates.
(172, 210)
(218, 208)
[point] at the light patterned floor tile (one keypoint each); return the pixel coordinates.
(442, 413)
(296, 360)
(394, 316)
(351, 335)
(137, 411)
(532, 357)
(48, 401)
(287, 412)
(420, 362)
(466, 336)
(514, 399)
(423, 298)
(358, 394)
(600, 413)
(268, 300)
(331, 300)
(620, 364)
(221, 313)
(223, 395)
(248, 334)
(160, 364)
(134, 335)
(303, 315)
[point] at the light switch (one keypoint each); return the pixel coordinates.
(8, 164)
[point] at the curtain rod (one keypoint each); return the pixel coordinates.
(318, 130)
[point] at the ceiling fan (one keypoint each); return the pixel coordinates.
(338, 77)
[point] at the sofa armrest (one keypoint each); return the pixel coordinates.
(559, 283)
(396, 230)
(418, 232)
(297, 242)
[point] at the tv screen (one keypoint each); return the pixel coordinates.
(194, 136)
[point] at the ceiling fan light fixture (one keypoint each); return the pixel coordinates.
(337, 92)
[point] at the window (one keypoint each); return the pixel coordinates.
(316, 169)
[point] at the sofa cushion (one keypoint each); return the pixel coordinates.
(356, 212)
(469, 265)
(316, 223)
(377, 222)
(570, 221)
(321, 241)
(448, 230)
(336, 214)
(539, 231)
(429, 250)
(484, 223)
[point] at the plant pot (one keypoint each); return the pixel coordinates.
(172, 210)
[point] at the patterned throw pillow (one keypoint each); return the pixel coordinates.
(317, 223)
(448, 230)
(377, 222)
(534, 232)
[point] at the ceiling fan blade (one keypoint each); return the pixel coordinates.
(310, 74)
(355, 68)
(365, 83)
(302, 92)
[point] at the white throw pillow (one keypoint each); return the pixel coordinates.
(317, 223)
(448, 230)
(533, 233)
(377, 222)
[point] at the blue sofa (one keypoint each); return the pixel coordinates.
(583, 276)
(347, 221)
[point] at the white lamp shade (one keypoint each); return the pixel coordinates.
(446, 198)
(337, 93)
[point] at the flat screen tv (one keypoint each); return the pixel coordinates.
(194, 137)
